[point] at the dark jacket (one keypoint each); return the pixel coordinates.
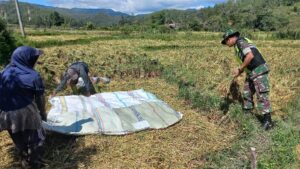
(82, 70)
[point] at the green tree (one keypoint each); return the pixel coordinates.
(158, 18)
(124, 20)
(216, 23)
(38, 21)
(90, 26)
(295, 9)
(268, 22)
(194, 25)
(56, 19)
(7, 43)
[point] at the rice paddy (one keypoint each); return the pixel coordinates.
(197, 59)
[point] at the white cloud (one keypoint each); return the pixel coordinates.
(134, 6)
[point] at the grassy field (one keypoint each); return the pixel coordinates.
(191, 72)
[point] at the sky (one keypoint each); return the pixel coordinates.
(128, 6)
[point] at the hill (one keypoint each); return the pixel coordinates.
(39, 15)
(263, 15)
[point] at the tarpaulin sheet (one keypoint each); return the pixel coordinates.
(111, 113)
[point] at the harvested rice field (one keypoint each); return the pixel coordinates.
(179, 146)
(175, 67)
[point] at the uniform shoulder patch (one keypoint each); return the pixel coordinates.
(242, 43)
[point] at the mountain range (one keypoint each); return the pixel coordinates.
(262, 15)
(100, 17)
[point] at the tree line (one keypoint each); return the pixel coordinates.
(46, 17)
(262, 15)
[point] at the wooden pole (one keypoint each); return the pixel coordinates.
(19, 18)
(253, 158)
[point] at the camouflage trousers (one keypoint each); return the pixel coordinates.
(260, 86)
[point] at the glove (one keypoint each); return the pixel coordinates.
(105, 80)
(80, 83)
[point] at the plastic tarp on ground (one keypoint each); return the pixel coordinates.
(111, 113)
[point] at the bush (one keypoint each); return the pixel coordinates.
(288, 34)
(7, 43)
(127, 30)
(295, 9)
(90, 26)
(164, 29)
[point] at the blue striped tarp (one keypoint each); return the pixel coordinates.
(111, 113)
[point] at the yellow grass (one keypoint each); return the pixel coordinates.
(58, 37)
(181, 145)
(203, 57)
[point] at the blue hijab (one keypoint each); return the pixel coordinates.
(19, 82)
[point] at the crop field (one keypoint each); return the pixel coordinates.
(191, 71)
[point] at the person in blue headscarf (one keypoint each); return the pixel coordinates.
(22, 105)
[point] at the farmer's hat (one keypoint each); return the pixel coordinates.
(228, 34)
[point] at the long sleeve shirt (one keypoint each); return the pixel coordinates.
(82, 69)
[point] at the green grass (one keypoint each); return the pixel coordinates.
(275, 148)
(191, 36)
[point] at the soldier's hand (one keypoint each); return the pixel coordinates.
(236, 72)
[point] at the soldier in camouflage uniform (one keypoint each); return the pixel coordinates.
(257, 81)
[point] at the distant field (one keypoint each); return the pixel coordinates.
(205, 61)
(196, 59)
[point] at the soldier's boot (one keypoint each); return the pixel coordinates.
(267, 122)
